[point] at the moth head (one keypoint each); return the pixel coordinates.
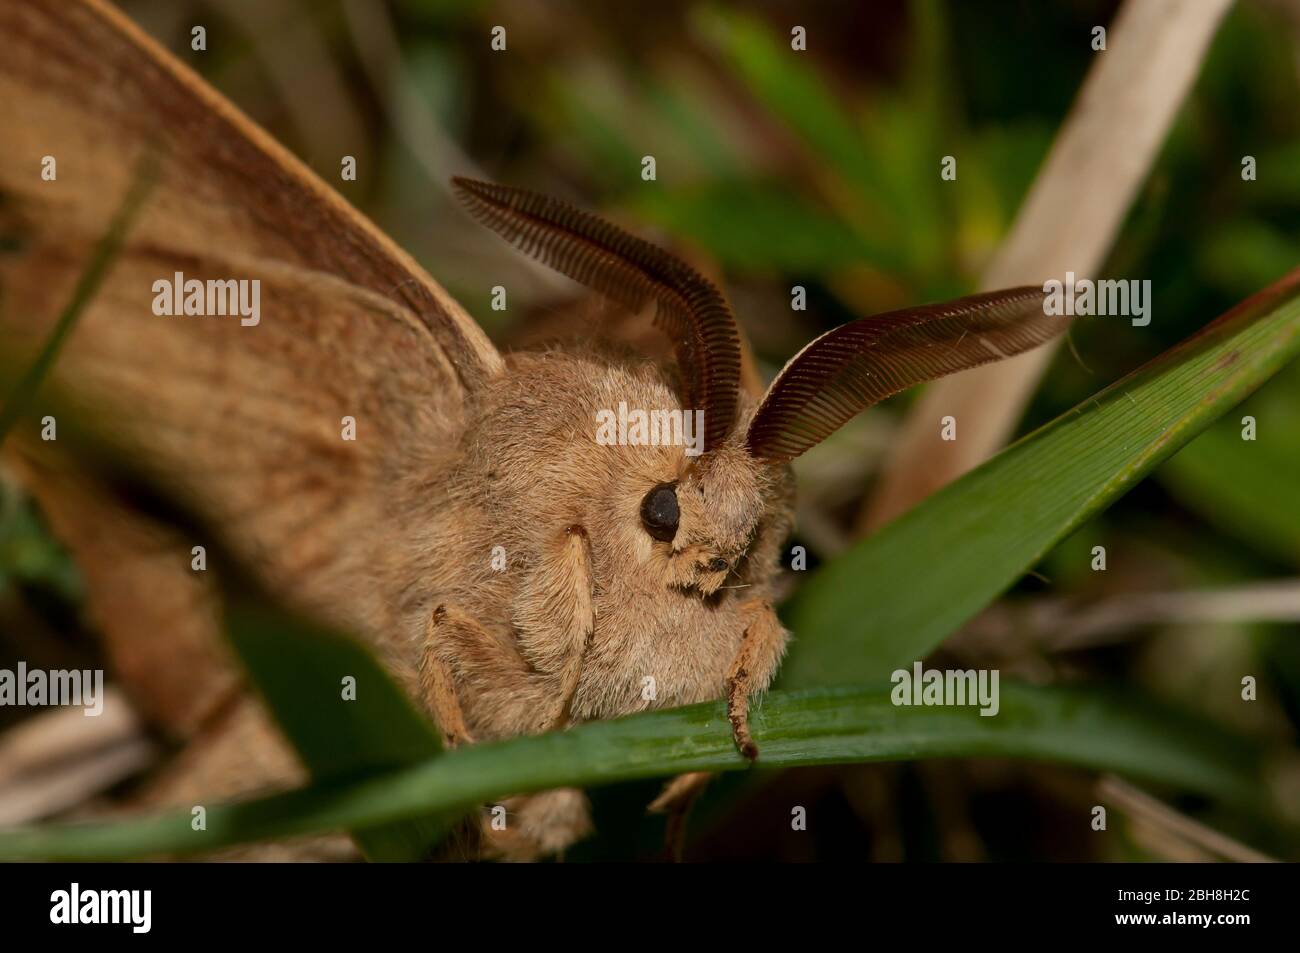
(712, 523)
(702, 516)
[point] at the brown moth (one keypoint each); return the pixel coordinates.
(517, 572)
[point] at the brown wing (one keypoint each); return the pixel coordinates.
(857, 364)
(245, 420)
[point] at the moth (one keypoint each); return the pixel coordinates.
(514, 572)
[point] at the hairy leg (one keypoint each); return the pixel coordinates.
(556, 619)
(676, 800)
(541, 681)
(761, 649)
(437, 682)
(535, 825)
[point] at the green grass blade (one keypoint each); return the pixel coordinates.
(886, 162)
(1082, 727)
(1248, 489)
(101, 260)
(341, 730)
(894, 597)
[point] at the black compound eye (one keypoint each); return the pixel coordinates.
(659, 512)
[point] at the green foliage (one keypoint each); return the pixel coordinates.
(29, 555)
(18, 400)
(1248, 489)
(896, 596)
(1085, 728)
(341, 729)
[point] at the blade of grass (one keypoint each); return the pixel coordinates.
(894, 597)
(1247, 489)
(341, 730)
(863, 186)
(106, 250)
(1082, 727)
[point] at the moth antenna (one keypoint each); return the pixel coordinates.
(849, 368)
(633, 272)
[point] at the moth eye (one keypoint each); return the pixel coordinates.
(659, 512)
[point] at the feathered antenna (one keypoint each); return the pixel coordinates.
(851, 367)
(632, 272)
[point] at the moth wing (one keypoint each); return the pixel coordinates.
(246, 420)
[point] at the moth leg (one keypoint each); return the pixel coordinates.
(555, 621)
(536, 825)
(680, 791)
(676, 800)
(583, 621)
(565, 613)
(761, 648)
(437, 683)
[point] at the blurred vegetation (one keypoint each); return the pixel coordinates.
(820, 168)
